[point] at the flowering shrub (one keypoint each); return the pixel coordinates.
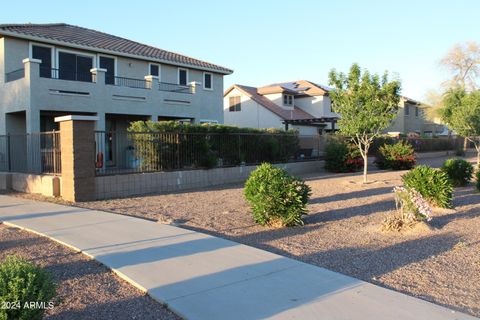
(342, 157)
(398, 156)
(411, 208)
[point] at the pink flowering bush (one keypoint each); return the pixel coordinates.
(411, 208)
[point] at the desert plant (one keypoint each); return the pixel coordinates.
(276, 198)
(459, 171)
(433, 184)
(398, 156)
(341, 156)
(22, 283)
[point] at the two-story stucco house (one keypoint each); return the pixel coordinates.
(306, 106)
(50, 70)
(301, 105)
(412, 118)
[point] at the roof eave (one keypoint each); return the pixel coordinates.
(111, 52)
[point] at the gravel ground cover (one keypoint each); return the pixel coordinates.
(86, 288)
(439, 262)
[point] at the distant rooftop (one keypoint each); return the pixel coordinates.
(80, 37)
(296, 87)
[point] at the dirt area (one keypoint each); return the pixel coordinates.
(86, 288)
(439, 263)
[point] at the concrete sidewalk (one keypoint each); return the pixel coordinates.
(204, 277)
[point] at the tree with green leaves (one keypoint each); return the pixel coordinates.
(461, 112)
(367, 104)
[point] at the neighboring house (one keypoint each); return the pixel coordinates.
(50, 70)
(306, 106)
(412, 117)
(301, 105)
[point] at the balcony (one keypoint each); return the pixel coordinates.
(149, 82)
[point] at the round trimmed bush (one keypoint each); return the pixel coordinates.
(276, 198)
(433, 184)
(459, 171)
(398, 156)
(22, 282)
(342, 157)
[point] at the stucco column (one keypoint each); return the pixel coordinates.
(152, 82)
(98, 75)
(32, 68)
(77, 142)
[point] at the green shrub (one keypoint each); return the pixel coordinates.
(477, 176)
(432, 184)
(459, 171)
(398, 156)
(276, 198)
(168, 145)
(342, 157)
(22, 282)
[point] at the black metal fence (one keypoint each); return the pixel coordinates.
(173, 87)
(37, 153)
(122, 152)
(66, 74)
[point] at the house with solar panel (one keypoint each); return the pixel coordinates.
(301, 105)
(50, 70)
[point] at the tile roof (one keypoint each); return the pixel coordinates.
(295, 114)
(95, 40)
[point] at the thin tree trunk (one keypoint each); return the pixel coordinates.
(365, 168)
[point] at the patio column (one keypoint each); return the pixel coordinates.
(152, 82)
(77, 142)
(98, 75)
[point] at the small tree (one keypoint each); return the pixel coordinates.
(461, 112)
(367, 104)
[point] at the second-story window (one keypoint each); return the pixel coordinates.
(76, 67)
(182, 76)
(44, 54)
(155, 70)
(108, 64)
(235, 104)
(407, 110)
(416, 112)
(207, 81)
(287, 100)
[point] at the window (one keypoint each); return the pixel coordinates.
(182, 76)
(235, 104)
(207, 81)
(75, 67)
(407, 110)
(416, 112)
(287, 100)
(44, 54)
(109, 64)
(154, 70)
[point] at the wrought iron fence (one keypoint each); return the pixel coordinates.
(126, 82)
(37, 153)
(173, 87)
(66, 74)
(15, 75)
(122, 152)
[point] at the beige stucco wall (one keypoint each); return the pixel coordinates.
(46, 185)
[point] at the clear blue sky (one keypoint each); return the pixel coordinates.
(267, 41)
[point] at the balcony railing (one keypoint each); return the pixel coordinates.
(173, 87)
(65, 74)
(126, 82)
(15, 75)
